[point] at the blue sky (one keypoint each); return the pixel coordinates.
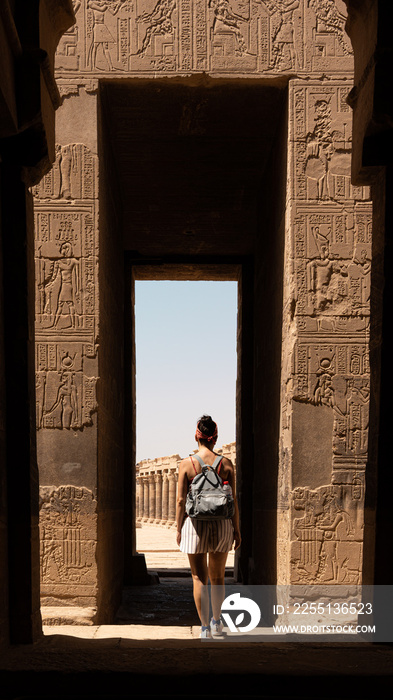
(185, 363)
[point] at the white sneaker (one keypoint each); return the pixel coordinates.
(205, 633)
(216, 628)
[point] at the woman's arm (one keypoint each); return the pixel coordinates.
(182, 486)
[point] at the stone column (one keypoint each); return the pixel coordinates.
(145, 485)
(165, 498)
(139, 499)
(152, 498)
(158, 498)
(172, 478)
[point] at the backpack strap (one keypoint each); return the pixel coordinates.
(216, 463)
(192, 462)
(201, 462)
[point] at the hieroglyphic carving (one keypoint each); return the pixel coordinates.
(337, 376)
(332, 257)
(101, 38)
(329, 48)
(66, 290)
(234, 41)
(65, 396)
(257, 36)
(73, 175)
(68, 536)
(330, 260)
(327, 539)
(227, 19)
(65, 272)
(322, 149)
(67, 56)
(286, 52)
(158, 23)
(128, 35)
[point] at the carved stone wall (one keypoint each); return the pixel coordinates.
(326, 333)
(325, 373)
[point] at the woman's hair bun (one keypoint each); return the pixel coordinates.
(206, 425)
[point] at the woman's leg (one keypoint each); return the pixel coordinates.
(217, 561)
(198, 564)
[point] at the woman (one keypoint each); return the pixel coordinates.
(200, 538)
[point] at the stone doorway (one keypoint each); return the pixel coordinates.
(189, 179)
(201, 189)
(159, 604)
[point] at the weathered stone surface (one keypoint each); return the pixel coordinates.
(55, 616)
(326, 539)
(329, 255)
(68, 527)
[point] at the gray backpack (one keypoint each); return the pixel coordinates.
(208, 498)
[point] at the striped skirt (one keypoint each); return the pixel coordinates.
(202, 536)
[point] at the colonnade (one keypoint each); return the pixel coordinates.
(156, 487)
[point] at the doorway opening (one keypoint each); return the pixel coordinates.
(186, 367)
(193, 183)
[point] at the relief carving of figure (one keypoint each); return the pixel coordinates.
(40, 393)
(320, 149)
(66, 273)
(159, 23)
(283, 50)
(225, 18)
(64, 162)
(65, 556)
(66, 401)
(319, 275)
(321, 533)
(329, 522)
(359, 271)
(328, 154)
(351, 408)
(101, 34)
(331, 21)
(323, 392)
